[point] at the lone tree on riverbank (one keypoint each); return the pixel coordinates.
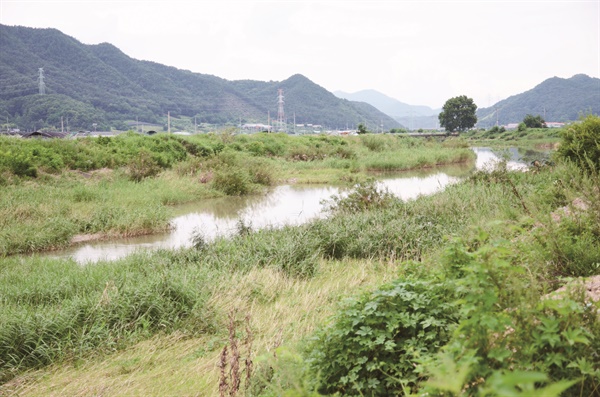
(458, 114)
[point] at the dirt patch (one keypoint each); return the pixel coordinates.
(578, 205)
(547, 146)
(84, 238)
(591, 287)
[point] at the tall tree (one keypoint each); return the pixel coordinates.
(458, 114)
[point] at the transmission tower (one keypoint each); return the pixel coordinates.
(41, 81)
(280, 112)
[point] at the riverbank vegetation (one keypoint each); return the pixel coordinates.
(54, 190)
(476, 290)
(530, 138)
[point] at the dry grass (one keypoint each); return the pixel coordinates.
(283, 311)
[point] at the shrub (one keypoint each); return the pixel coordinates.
(21, 164)
(580, 144)
(232, 181)
(261, 173)
(372, 345)
(364, 195)
(373, 142)
(505, 326)
(143, 166)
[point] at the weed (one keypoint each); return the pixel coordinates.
(371, 347)
(230, 371)
(363, 196)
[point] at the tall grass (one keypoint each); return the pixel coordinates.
(79, 309)
(70, 195)
(67, 311)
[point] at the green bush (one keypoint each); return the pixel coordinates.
(232, 181)
(374, 143)
(144, 165)
(363, 196)
(506, 325)
(261, 173)
(371, 348)
(20, 164)
(580, 144)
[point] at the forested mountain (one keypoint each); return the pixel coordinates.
(89, 84)
(555, 99)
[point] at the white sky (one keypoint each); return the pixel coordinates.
(419, 52)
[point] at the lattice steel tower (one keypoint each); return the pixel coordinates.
(41, 81)
(280, 112)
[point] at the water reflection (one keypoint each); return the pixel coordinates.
(487, 158)
(283, 205)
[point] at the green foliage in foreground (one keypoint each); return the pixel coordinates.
(70, 311)
(468, 332)
(511, 337)
(503, 335)
(374, 341)
(402, 230)
(581, 144)
(484, 281)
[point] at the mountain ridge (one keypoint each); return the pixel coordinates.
(99, 84)
(555, 99)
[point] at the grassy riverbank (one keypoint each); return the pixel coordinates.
(289, 281)
(492, 246)
(529, 138)
(53, 191)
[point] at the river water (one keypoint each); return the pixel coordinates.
(282, 205)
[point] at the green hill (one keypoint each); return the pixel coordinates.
(555, 99)
(89, 84)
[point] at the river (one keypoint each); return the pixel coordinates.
(282, 205)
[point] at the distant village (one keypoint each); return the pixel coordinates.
(247, 128)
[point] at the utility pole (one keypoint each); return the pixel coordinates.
(41, 84)
(62, 125)
(195, 126)
(169, 122)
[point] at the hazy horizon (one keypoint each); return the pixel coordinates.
(419, 53)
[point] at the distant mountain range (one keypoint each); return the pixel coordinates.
(555, 99)
(98, 84)
(411, 116)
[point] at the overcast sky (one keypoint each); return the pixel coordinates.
(419, 52)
